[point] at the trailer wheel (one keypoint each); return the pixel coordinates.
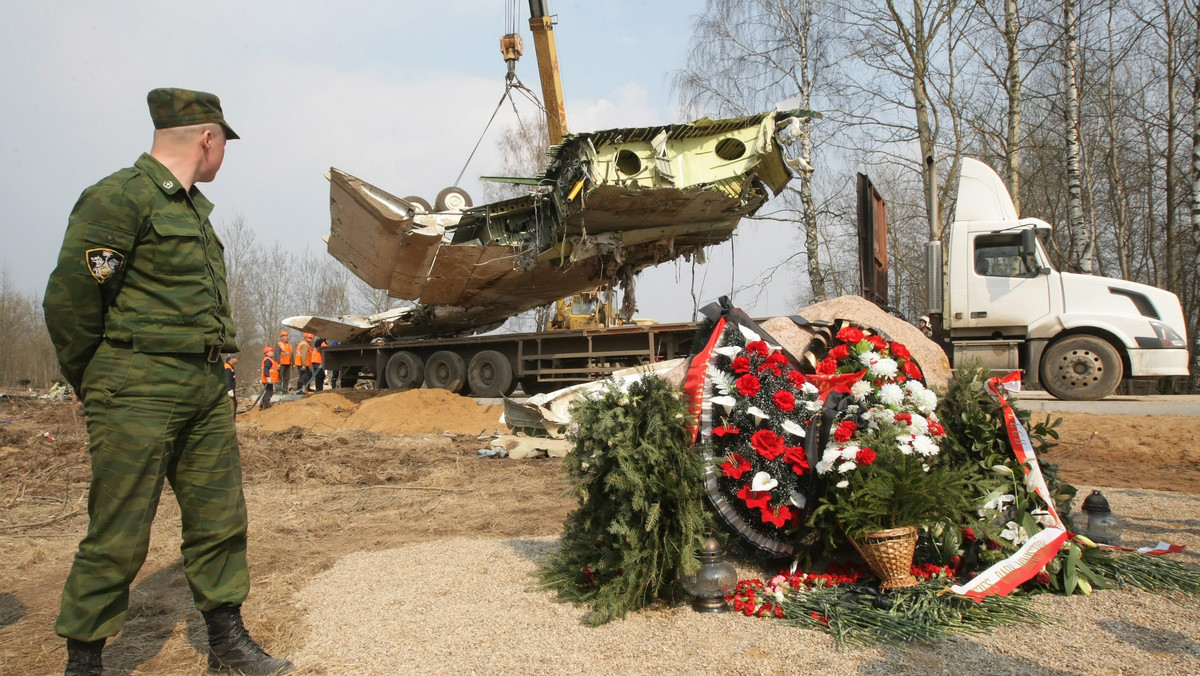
(490, 375)
(404, 371)
(1081, 368)
(445, 370)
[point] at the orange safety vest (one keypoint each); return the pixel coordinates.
(285, 352)
(316, 356)
(304, 353)
(270, 367)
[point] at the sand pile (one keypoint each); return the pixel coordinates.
(412, 412)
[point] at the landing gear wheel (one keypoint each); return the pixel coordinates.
(404, 371)
(490, 375)
(420, 205)
(453, 198)
(1081, 368)
(445, 370)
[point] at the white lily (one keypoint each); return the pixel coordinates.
(763, 482)
(728, 351)
(725, 401)
(748, 334)
(797, 498)
(792, 428)
(759, 414)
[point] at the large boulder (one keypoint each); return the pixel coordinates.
(928, 354)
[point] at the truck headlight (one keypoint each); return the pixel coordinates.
(1167, 335)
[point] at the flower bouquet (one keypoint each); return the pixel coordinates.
(881, 464)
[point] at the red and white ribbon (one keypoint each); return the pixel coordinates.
(1042, 547)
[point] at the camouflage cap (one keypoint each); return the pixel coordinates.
(170, 107)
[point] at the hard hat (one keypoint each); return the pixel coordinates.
(268, 349)
(308, 336)
(283, 333)
(924, 318)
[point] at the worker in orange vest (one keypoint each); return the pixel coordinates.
(318, 376)
(231, 380)
(283, 357)
(270, 376)
(302, 358)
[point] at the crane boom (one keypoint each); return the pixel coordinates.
(542, 26)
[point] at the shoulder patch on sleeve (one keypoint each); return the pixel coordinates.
(103, 263)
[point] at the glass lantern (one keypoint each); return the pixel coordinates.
(1096, 520)
(715, 578)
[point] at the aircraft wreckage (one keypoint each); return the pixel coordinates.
(609, 204)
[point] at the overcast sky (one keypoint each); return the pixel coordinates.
(395, 92)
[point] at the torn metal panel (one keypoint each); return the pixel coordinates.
(610, 203)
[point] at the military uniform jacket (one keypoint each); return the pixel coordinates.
(140, 265)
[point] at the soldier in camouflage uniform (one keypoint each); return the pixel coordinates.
(138, 311)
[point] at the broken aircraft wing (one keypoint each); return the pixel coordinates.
(609, 204)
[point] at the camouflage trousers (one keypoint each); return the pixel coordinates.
(152, 417)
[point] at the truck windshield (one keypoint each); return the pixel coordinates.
(1000, 256)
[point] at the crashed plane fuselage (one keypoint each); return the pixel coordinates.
(609, 204)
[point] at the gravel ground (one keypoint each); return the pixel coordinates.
(463, 606)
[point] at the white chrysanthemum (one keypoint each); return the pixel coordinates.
(924, 445)
(891, 394)
(792, 428)
(808, 388)
(914, 386)
(823, 466)
(849, 453)
(813, 406)
(925, 401)
(730, 351)
(867, 358)
(748, 334)
(884, 368)
(905, 446)
(920, 424)
(847, 467)
(843, 483)
(860, 389)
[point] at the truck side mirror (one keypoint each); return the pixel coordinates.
(1029, 252)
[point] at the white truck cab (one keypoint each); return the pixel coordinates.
(1078, 335)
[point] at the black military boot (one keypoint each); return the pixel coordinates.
(83, 658)
(232, 651)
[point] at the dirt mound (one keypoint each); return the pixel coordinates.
(412, 412)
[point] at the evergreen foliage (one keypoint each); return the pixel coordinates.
(641, 515)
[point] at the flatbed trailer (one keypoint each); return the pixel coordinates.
(494, 365)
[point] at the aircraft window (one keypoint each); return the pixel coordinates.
(628, 162)
(1000, 256)
(730, 149)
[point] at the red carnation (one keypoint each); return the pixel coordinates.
(796, 378)
(748, 385)
(774, 363)
(767, 444)
(936, 429)
(725, 429)
(968, 534)
(911, 370)
(905, 418)
(741, 364)
(850, 335)
(758, 347)
(840, 351)
(845, 430)
(878, 343)
(865, 456)
(827, 367)
(1043, 578)
(899, 351)
(785, 401)
(735, 466)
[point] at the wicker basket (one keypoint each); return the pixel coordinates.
(889, 553)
